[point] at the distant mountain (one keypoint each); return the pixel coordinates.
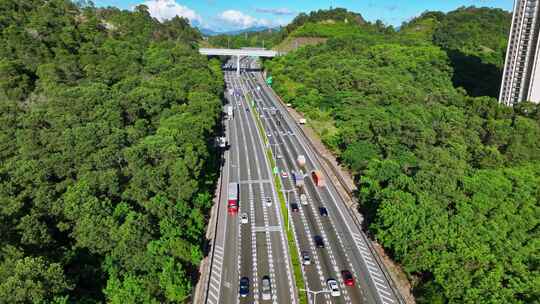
(209, 32)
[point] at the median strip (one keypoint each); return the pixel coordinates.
(295, 258)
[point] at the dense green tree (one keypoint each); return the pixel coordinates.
(448, 183)
(106, 155)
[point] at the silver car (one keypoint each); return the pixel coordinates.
(306, 259)
(266, 288)
(334, 287)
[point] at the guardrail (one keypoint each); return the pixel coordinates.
(353, 215)
(206, 284)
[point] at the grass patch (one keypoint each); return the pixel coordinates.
(295, 259)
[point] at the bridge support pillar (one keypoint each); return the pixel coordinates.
(238, 65)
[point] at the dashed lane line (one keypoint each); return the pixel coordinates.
(312, 247)
(255, 279)
(283, 242)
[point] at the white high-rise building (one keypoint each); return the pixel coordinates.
(521, 75)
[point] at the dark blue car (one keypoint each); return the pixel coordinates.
(244, 287)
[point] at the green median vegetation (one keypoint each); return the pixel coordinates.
(293, 249)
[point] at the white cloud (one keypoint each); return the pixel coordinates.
(167, 9)
(275, 11)
(237, 19)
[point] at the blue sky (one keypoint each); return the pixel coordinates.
(222, 15)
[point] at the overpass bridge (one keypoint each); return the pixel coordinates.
(239, 53)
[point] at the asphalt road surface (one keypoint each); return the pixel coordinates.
(259, 248)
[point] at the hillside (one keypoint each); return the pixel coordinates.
(449, 180)
(257, 38)
(106, 161)
(304, 29)
(475, 40)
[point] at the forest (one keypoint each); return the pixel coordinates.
(260, 39)
(449, 179)
(107, 165)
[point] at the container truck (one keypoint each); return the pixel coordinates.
(232, 203)
(318, 178)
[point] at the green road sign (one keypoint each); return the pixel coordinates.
(269, 80)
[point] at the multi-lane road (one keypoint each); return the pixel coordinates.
(259, 248)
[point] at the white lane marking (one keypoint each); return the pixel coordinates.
(305, 147)
(310, 238)
(269, 249)
(254, 280)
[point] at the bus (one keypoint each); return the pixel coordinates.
(232, 202)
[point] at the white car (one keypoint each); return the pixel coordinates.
(244, 218)
(268, 201)
(306, 259)
(303, 199)
(266, 288)
(334, 287)
(284, 174)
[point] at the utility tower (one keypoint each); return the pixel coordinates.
(521, 75)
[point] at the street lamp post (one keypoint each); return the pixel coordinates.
(286, 193)
(315, 293)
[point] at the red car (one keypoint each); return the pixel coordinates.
(348, 278)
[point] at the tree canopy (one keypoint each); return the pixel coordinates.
(106, 163)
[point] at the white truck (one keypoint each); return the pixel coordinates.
(230, 112)
(301, 160)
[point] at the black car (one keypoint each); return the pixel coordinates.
(319, 242)
(323, 211)
(244, 287)
(294, 207)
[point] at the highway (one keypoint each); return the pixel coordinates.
(259, 248)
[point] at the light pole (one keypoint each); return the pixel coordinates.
(315, 293)
(286, 193)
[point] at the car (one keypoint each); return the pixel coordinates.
(244, 287)
(294, 207)
(266, 288)
(268, 201)
(303, 199)
(333, 287)
(323, 211)
(306, 258)
(244, 218)
(319, 242)
(279, 156)
(348, 278)
(284, 174)
(247, 109)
